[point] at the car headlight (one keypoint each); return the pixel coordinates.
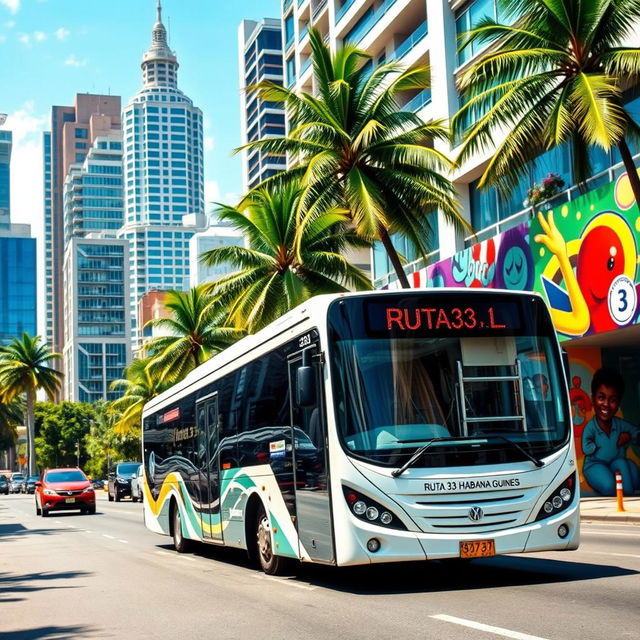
(122, 480)
(49, 492)
(364, 508)
(559, 500)
(88, 490)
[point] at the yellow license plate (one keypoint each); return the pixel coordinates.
(70, 500)
(478, 549)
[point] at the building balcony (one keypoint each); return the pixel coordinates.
(343, 10)
(363, 27)
(419, 101)
(407, 45)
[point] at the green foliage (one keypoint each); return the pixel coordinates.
(61, 429)
(358, 151)
(11, 416)
(286, 262)
(554, 75)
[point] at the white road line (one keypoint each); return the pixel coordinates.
(606, 533)
(608, 553)
(499, 631)
(104, 535)
(123, 541)
(285, 581)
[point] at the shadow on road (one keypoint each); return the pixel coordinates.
(49, 633)
(14, 584)
(13, 531)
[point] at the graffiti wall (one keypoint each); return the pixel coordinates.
(583, 258)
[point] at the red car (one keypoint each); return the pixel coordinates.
(63, 490)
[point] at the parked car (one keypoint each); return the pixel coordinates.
(98, 483)
(120, 480)
(4, 485)
(15, 482)
(64, 489)
(137, 484)
(29, 484)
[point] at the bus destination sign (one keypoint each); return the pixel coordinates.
(404, 315)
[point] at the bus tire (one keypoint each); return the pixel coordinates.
(270, 563)
(180, 543)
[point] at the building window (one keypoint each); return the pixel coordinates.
(82, 133)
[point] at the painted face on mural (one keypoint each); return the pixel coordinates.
(606, 403)
(600, 261)
(514, 269)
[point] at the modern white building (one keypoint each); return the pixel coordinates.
(259, 59)
(163, 173)
(97, 329)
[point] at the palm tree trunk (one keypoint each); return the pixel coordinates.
(393, 257)
(31, 420)
(630, 166)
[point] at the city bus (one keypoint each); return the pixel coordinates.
(372, 427)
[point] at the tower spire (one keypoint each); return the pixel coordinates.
(159, 12)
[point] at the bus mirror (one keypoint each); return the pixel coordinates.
(306, 386)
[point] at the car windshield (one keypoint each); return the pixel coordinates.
(468, 393)
(17, 477)
(128, 468)
(33, 478)
(65, 476)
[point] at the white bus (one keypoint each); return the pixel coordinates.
(372, 427)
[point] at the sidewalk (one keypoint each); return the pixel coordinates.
(604, 509)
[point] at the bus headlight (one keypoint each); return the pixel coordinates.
(559, 500)
(364, 508)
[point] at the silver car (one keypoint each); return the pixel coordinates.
(137, 484)
(15, 482)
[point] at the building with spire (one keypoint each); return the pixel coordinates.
(163, 175)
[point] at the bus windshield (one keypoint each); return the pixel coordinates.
(469, 374)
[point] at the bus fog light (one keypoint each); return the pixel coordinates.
(373, 545)
(565, 494)
(548, 507)
(359, 508)
(557, 502)
(563, 531)
(372, 514)
(386, 517)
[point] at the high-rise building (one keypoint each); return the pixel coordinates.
(260, 59)
(164, 177)
(17, 260)
(73, 131)
(97, 331)
(5, 176)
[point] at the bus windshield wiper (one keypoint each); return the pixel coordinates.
(522, 450)
(414, 458)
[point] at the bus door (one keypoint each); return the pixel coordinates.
(207, 422)
(311, 481)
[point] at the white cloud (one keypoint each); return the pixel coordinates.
(2, 38)
(62, 33)
(211, 192)
(9, 24)
(39, 36)
(208, 143)
(25, 38)
(12, 5)
(72, 61)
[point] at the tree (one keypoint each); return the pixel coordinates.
(356, 149)
(11, 416)
(195, 333)
(139, 386)
(555, 74)
(274, 275)
(104, 445)
(62, 432)
(24, 370)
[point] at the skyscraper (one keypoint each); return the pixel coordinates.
(260, 59)
(73, 131)
(17, 260)
(163, 171)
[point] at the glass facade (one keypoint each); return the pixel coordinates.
(17, 287)
(5, 177)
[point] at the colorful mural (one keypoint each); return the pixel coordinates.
(583, 258)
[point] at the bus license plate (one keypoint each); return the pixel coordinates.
(70, 500)
(478, 549)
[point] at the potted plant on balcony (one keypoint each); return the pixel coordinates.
(547, 188)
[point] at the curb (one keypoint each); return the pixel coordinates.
(630, 518)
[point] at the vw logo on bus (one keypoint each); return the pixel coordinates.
(476, 514)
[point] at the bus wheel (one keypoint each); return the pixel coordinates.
(180, 543)
(270, 563)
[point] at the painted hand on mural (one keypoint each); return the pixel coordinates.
(576, 321)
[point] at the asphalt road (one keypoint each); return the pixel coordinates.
(106, 576)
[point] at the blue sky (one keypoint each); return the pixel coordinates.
(52, 49)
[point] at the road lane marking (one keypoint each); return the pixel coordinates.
(609, 553)
(107, 536)
(607, 533)
(499, 631)
(285, 581)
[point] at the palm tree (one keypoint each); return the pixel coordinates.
(555, 74)
(194, 333)
(24, 370)
(356, 149)
(273, 275)
(139, 386)
(11, 415)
